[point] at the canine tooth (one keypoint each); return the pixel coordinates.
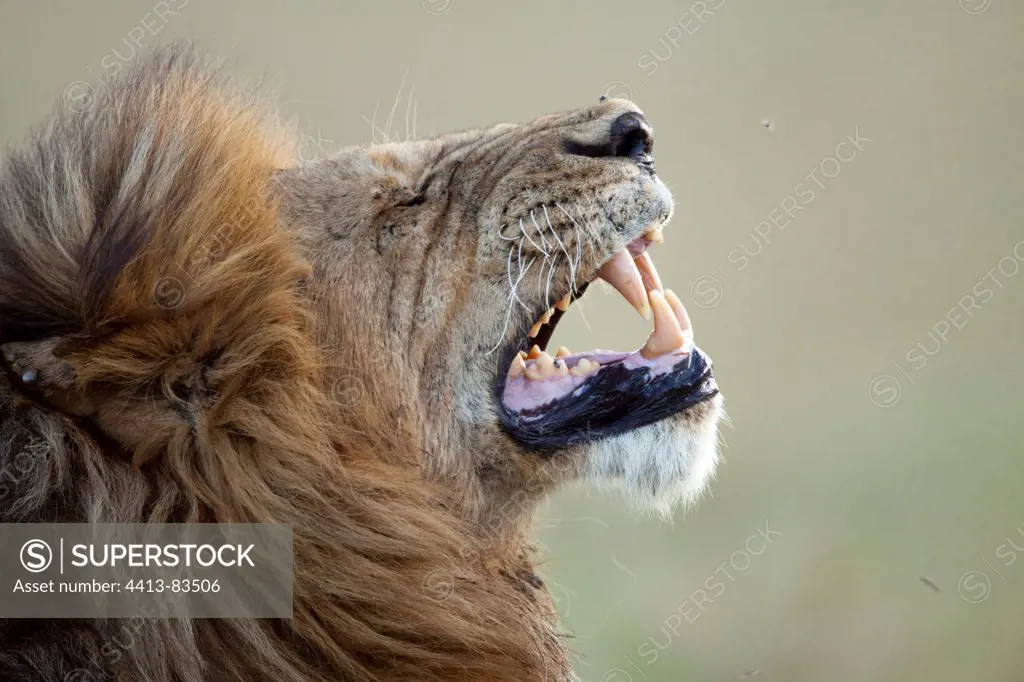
(545, 364)
(522, 354)
(648, 272)
(535, 329)
(534, 352)
(621, 272)
(546, 317)
(667, 335)
(680, 313)
(563, 304)
(562, 352)
(518, 367)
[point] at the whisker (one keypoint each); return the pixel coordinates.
(572, 269)
(508, 314)
(523, 230)
(540, 232)
(508, 269)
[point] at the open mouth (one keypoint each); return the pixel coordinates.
(554, 400)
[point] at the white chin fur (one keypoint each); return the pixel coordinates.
(662, 465)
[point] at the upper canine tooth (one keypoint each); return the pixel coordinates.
(667, 335)
(680, 313)
(518, 367)
(648, 272)
(621, 272)
(563, 304)
(535, 329)
(546, 317)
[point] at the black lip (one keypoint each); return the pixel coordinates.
(616, 400)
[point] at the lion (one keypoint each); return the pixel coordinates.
(196, 328)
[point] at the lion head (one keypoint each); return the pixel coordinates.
(441, 268)
(193, 329)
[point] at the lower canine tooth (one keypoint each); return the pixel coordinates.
(667, 335)
(534, 353)
(562, 352)
(680, 313)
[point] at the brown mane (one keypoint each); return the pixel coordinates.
(145, 266)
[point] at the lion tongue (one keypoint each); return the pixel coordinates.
(622, 273)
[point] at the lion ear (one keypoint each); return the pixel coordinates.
(138, 426)
(37, 368)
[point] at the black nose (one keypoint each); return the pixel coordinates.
(632, 137)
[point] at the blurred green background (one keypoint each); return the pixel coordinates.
(876, 412)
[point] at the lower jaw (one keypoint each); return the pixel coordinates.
(627, 393)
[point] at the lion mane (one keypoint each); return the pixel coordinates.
(159, 366)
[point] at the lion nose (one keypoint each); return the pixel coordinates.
(628, 136)
(632, 137)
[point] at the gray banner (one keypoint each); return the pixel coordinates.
(145, 570)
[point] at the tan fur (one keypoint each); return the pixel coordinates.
(218, 337)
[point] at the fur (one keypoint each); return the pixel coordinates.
(193, 330)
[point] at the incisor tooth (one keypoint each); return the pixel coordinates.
(667, 335)
(518, 367)
(562, 352)
(648, 272)
(534, 353)
(545, 364)
(535, 329)
(680, 313)
(563, 304)
(621, 272)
